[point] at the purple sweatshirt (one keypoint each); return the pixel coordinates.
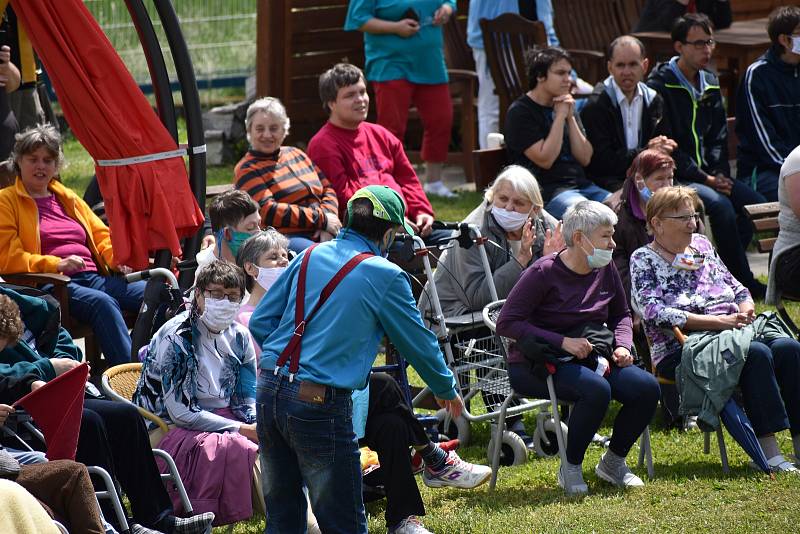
(550, 299)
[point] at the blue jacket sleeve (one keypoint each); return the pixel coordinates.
(400, 318)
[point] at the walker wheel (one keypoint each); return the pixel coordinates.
(545, 442)
(512, 449)
(457, 429)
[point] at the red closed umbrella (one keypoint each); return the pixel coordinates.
(57, 408)
(148, 200)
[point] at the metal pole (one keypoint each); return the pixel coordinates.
(194, 119)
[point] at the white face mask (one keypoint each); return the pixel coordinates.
(219, 314)
(796, 45)
(510, 221)
(267, 276)
(600, 257)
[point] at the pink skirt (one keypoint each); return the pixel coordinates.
(214, 467)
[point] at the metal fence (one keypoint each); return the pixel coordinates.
(220, 34)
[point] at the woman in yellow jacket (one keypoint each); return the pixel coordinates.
(46, 228)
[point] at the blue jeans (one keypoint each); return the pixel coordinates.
(311, 443)
(767, 184)
(559, 204)
(726, 213)
(299, 242)
(99, 300)
(591, 394)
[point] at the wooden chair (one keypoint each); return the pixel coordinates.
(488, 163)
(76, 329)
(505, 40)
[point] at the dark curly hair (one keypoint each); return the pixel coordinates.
(11, 326)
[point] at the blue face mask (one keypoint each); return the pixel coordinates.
(645, 193)
(599, 258)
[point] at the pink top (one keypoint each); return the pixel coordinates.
(61, 235)
(245, 312)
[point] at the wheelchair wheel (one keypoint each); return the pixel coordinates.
(457, 429)
(512, 449)
(545, 442)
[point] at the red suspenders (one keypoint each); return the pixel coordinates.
(292, 351)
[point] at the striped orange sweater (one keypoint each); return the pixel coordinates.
(292, 193)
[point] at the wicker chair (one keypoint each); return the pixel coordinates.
(119, 383)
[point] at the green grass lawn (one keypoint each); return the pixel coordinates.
(689, 493)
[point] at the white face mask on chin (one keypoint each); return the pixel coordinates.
(796, 45)
(219, 314)
(267, 275)
(510, 221)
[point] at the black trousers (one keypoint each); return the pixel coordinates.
(787, 272)
(113, 436)
(391, 430)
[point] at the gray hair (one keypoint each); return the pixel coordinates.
(521, 181)
(270, 106)
(585, 217)
(42, 135)
(255, 246)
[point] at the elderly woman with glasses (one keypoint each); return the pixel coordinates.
(678, 280)
(568, 315)
(199, 375)
(293, 195)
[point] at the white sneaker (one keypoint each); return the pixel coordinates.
(570, 477)
(439, 189)
(410, 525)
(457, 473)
(779, 464)
(619, 475)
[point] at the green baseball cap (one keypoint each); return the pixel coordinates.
(387, 205)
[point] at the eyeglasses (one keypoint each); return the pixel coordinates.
(701, 43)
(683, 218)
(219, 294)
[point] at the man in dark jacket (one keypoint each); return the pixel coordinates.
(768, 106)
(659, 15)
(623, 115)
(694, 116)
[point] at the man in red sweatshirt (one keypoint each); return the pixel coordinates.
(354, 153)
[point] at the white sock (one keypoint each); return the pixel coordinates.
(770, 446)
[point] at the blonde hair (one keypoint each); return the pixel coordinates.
(670, 199)
(521, 181)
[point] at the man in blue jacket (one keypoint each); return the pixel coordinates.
(311, 363)
(768, 106)
(694, 116)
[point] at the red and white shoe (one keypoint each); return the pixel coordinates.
(417, 465)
